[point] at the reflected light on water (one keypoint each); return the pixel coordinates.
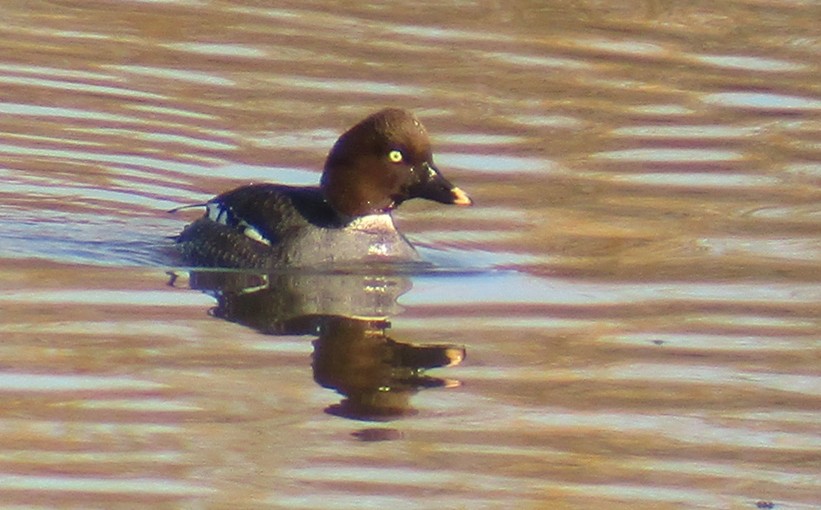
(672, 155)
(37, 382)
(491, 163)
(629, 311)
(511, 287)
(98, 485)
(109, 297)
(764, 101)
(750, 63)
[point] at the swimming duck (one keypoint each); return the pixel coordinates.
(372, 168)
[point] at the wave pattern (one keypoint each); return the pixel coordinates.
(637, 288)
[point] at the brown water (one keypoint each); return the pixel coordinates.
(637, 289)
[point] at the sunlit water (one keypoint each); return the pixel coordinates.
(630, 313)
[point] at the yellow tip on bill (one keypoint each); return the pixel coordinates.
(460, 197)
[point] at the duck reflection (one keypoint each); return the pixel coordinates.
(348, 313)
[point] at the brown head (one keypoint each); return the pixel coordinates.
(381, 162)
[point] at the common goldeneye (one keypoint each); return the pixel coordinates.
(372, 168)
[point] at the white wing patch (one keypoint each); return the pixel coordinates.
(215, 211)
(218, 212)
(251, 232)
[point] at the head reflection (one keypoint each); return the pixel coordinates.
(353, 355)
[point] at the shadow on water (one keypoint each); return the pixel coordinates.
(349, 314)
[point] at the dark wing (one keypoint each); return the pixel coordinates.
(244, 227)
(271, 211)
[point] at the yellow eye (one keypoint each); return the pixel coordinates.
(395, 156)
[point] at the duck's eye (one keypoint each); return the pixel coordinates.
(395, 156)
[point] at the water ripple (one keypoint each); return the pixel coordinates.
(763, 101)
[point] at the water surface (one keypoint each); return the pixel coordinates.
(636, 290)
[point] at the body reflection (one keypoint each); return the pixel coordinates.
(348, 313)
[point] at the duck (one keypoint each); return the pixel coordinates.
(374, 167)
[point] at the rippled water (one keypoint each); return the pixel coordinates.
(628, 318)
